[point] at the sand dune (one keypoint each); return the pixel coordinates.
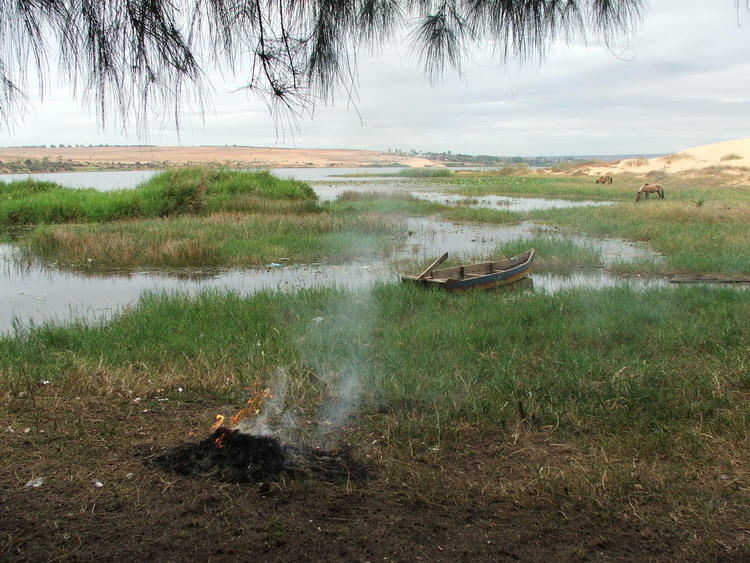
(726, 154)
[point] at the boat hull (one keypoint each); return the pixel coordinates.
(485, 275)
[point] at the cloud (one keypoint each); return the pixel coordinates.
(682, 80)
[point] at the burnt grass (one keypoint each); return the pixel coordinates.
(231, 456)
(133, 482)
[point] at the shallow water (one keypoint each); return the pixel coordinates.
(35, 293)
(508, 203)
(120, 179)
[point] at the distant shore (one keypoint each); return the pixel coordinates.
(731, 156)
(151, 157)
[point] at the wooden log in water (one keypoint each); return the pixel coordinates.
(709, 279)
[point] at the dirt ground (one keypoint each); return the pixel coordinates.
(102, 498)
(256, 157)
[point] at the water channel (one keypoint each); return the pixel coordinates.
(37, 292)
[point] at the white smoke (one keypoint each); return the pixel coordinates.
(272, 419)
(352, 321)
(340, 406)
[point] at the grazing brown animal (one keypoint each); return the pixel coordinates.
(649, 189)
(604, 180)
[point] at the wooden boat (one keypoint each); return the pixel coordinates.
(484, 275)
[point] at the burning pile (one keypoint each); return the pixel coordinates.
(233, 456)
(227, 455)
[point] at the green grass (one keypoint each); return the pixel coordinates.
(397, 202)
(172, 193)
(568, 187)
(406, 173)
(712, 238)
(425, 173)
(207, 218)
(637, 371)
(480, 215)
(219, 239)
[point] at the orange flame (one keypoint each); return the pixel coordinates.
(219, 441)
(251, 408)
(219, 422)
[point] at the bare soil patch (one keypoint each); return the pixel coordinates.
(103, 497)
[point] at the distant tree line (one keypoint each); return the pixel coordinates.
(449, 158)
(42, 165)
(63, 145)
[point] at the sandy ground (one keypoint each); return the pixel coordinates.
(257, 157)
(729, 154)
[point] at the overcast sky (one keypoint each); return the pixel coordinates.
(683, 80)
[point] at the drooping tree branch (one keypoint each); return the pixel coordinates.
(139, 56)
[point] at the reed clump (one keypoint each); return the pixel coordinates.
(425, 173)
(731, 156)
(196, 217)
(228, 239)
(169, 194)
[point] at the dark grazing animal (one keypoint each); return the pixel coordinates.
(649, 189)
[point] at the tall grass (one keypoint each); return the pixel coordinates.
(425, 173)
(220, 239)
(401, 203)
(171, 193)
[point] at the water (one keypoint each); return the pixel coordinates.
(104, 181)
(35, 293)
(507, 203)
(39, 292)
(120, 179)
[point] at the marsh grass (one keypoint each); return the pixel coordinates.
(220, 239)
(548, 186)
(649, 391)
(370, 201)
(244, 219)
(480, 214)
(425, 173)
(169, 194)
(712, 237)
(552, 253)
(406, 173)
